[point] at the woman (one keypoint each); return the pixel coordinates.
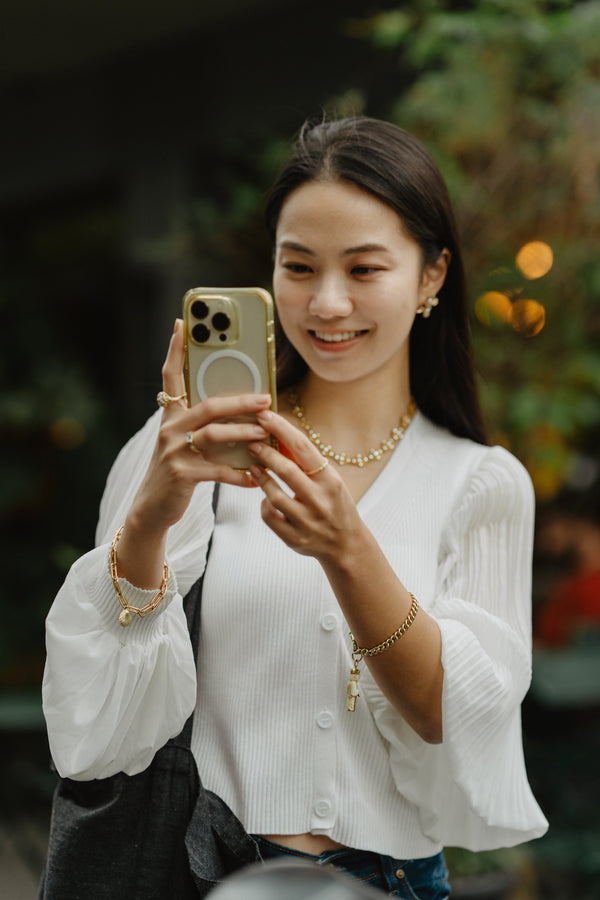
(422, 550)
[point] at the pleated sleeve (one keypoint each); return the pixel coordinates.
(112, 696)
(472, 790)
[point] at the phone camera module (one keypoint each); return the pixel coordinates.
(200, 333)
(199, 310)
(221, 321)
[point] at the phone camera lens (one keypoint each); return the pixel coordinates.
(199, 309)
(200, 333)
(221, 321)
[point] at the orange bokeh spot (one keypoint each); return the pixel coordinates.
(528, 317)
(493, 305)
(535, 259)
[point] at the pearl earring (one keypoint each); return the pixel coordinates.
(425, 308)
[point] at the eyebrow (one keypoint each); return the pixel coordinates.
(351, 251)
(292, 245)
(365, 248)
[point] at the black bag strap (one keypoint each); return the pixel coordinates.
(192, 604)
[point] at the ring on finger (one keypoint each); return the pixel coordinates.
(189, 439)
(163, 399)
(318, 469)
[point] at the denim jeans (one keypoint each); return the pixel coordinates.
(412, 879)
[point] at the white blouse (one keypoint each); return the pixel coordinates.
(271, 734)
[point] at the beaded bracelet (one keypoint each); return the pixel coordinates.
(359, 653)
(125, 617)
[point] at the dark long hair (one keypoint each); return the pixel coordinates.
(395, 167)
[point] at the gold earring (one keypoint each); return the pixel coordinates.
(425, 308)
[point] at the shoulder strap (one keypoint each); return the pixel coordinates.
(192, 603)
(193, 599)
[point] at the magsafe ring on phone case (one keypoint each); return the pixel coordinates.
(254, 380)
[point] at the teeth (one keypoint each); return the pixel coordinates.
(338, 336)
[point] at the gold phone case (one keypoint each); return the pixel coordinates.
(229, 350)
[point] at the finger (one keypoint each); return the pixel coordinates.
(243, 406)
(197, 464)
(282, 513)
(301, 486)
(297, 445)
(293, 471)
(227, 475)
(281, 526)
(221, 433)
(172, 370)
(280, 500)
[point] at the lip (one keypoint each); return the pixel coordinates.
(336, 341)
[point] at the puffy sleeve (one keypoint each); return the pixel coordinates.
(472, 789)
(112, 696)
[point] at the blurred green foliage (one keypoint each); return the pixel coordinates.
(57, 433)
(506, 93)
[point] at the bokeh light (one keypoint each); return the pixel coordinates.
(493, 306)
(528, 317)
(535, 259)
(67, 433)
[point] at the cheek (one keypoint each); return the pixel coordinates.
(289, 299)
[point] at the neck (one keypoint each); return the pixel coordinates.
(353, 415)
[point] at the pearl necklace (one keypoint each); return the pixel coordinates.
(345, 459)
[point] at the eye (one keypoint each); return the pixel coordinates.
(366, 270)
(297, 268)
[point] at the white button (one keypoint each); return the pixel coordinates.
(328, 622)
(322, 808)
(325, 719)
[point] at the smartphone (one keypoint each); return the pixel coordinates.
(229, 338)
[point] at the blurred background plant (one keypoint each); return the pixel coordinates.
(507, 95)
(139, 170)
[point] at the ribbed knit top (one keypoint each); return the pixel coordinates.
(271, 733)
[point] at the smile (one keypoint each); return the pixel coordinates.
(337, 336)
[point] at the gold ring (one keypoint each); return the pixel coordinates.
(318, 469)
(189, 439)
(163, 399)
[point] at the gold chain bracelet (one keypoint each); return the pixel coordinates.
(358, 653)
(125, 617)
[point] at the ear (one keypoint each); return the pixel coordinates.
(433, 277)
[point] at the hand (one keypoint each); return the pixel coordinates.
(175, 470)
(320, 519)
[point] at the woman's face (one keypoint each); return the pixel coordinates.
(348, 280)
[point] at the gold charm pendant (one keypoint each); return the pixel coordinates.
(125, 618)
(352, 691)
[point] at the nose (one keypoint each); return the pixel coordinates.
(330, 299)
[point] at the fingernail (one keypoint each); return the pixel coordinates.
(255, 472)
(264, 415)
(254, 448)
(264, 399)
(177, 325)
